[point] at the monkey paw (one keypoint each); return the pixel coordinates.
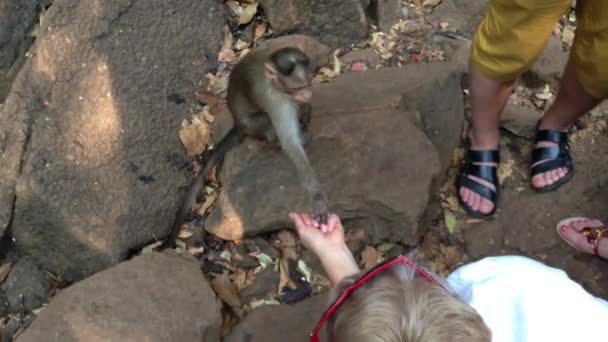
(320, 209)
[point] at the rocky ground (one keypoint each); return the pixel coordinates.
(97, 157)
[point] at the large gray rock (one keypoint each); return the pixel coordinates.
(26, 286)
(91, 158)
(155, 297)
(335, 23)
(17, 21)
(377, 165)
(287, 322)
(552, 61)
(462, 15)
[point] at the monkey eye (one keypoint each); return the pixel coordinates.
(286, 67)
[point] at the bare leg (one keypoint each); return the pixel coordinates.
(570, 104)
(488, 100)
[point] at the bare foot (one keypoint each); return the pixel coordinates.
(572, 233)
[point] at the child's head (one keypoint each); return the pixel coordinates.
(397, 306)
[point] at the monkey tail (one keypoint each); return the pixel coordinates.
(232, 138)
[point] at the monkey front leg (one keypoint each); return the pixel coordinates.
(288, 131)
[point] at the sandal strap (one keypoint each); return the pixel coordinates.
(487, 156)
(550, 135)
(553, 157)
(479, 188)
(485, 172)
(552, 164)
(594, 236)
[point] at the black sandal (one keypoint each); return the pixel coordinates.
(485, 172)
(554, 157)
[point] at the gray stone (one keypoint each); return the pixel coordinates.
(28, 281)
(92, 153)
(552, 61)
(520, 120)
(389, 13)
(17, 25)
(462, 15)
(4, 308)
(155, 297)
(439, 110)
(260, 185)
(335, 23)
(288, 322)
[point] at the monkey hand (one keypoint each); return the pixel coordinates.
(320, 209)
(319, 239)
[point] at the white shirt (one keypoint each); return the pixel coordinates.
(523, 300)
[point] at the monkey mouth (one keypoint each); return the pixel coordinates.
(294, 90)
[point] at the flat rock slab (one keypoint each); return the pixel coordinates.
(155, 297)
(374, 159)
(280, 323)
(91, 158)
(526, 221)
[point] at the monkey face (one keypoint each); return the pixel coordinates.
(290, 72)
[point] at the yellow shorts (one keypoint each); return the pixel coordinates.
(514, 32)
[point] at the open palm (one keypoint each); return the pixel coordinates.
(318, 238)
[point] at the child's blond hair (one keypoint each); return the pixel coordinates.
(397, 306)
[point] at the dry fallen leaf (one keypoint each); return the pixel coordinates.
(288, 244)
(227, 56)
(337, 65)
(195, 250)
(228, 39)
(149, 249)
(452, 255)
(217, 83)
(241, 44)
(285, 279)
(431, 3)
(369, 256)
(256, 304)
(210, 199)
(568, 34)
(505, 169)
(207, 97)
(226, 255)
(246, 16)
(4, 271)
(227, 292)
(185, 233)
(260, 29)
(215, 110)
(263, 259)
(195, 136)
(305, 270)
(452, 203)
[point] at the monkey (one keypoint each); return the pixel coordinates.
(268, 96)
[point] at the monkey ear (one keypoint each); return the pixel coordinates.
(270, 71)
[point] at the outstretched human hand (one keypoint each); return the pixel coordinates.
(323, 238)
(328, 243)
